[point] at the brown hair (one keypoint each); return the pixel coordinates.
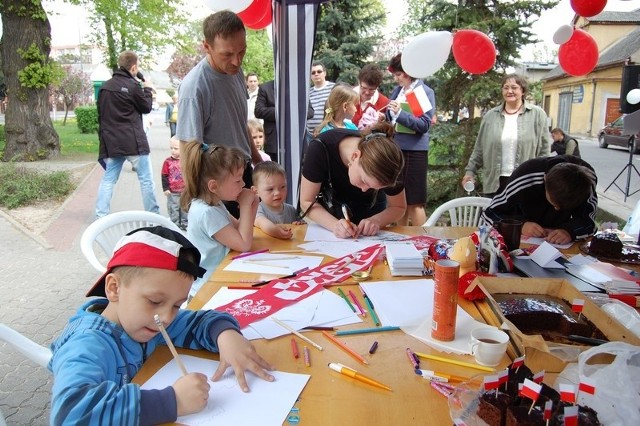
(559, 131)
(127, 59)
(395, 65)
(201, 163)
(266, 169)
(381, 158)
(221, 24)
(569, 185)
(339, 95)
(520, 81)
(371, 74)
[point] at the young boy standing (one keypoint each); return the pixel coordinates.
(270, 183)
(106, 342)
(257, 136)
(172, 184)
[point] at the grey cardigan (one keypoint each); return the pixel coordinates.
(534, 140)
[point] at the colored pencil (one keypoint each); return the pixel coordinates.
(374, 316)
(454, 362)
(344, 296)
(294, 348)
(345, 348)
(366, 330)
(170, 345)
(249, 253)
(307, 356)
(300, 335)
(355, 300)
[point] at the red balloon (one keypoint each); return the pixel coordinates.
(588, 8)
(473, 51)
(265, 21)
(255, 12)
(579, 55)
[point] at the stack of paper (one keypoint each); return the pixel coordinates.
(404, 259)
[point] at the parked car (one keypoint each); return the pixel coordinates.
(612, 134)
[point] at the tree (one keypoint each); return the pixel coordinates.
(28, 72)
(147, 27)
(506, 22)
(347, 32)
(73, 87)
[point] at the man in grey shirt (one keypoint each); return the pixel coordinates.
(213, 96)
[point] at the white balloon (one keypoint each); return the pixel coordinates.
(563, 34)
(232, 5)
(633, 97)
(426, 53)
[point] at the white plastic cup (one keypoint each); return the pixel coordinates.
(469, 186)
(488, 345)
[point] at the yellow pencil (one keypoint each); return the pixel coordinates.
(170, 345)
(454, 361)
(345, 348)
(300, 335)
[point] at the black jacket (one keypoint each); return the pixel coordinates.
(121, 103)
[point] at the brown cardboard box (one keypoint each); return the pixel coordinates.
(540, 354)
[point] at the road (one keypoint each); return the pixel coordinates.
(608, 163)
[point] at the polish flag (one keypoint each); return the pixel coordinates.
(518, 362)
(538, 377)
(491, 382)
(567, 393)
(587, 385)
(547, 410)
(503, 376)
(571, 415)
(519, 389)
(418, 101)
(531, 389)
(577, 305)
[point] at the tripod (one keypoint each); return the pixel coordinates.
(628, 167)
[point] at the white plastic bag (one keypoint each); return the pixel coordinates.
(617, 396)
(632, 227)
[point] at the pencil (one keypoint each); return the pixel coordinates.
(345, 348)
(249, 253)
(300, 335)
(261, 283)
(170, 345)
(307, 356)
(374, 316)
(366, 330)
(454, 362)
(355, 300)
(344, 296)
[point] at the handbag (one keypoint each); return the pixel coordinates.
(326, 196)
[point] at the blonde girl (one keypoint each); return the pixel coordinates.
(213, 174)
(339, 109)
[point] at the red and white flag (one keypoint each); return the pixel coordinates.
(571, 415)
(418, 101)
(538, 377)
(587, 385)
(518, 362)
(577, 305)
(530, 390)
(491, 382)
(567, 393)
(503, 376)
(547, 410)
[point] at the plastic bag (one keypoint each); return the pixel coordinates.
(617, 382)
(632, 226)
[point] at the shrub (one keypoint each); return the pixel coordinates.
(20, 186)
(87, 118)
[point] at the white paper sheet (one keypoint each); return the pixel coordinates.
(268, 403)
(538, 241)
(545, 256)
(276, 264)
(333, 249)
(316, 232)
(409, 304)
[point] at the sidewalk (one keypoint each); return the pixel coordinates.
(44, 280)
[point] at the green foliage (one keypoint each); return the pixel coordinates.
(20, 186)
(87, 119)
(506, 22)
(259, 57)
(347, 32)
(40, 72)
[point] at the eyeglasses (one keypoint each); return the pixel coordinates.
(314, 72)
(512, 88)
(367, 89)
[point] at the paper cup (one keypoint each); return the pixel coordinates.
(488, 345)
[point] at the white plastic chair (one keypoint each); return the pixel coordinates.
(108, 230)
(464, 211)
(27, 347)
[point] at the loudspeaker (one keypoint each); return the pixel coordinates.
(630, 81)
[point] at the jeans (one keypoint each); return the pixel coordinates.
(111, 175)
(176, 214)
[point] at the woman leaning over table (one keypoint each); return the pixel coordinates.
(412, 134)
(510, 134)
(363, 170)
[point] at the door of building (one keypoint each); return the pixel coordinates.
(564, 111)
(612, 111)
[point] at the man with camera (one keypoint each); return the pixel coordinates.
(121, 102)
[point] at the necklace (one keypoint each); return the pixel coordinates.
(511, 113)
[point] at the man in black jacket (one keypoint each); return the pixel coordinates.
(121, 102)
(555, 197)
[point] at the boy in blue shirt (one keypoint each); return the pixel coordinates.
(106, 342)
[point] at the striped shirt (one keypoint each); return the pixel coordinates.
(317, 98)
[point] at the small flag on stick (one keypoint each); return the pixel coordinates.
(567, 393)
(587, 386)
(547, 411)
(531, 390)
(517, 363)
(577, 306)
(571, 415)
(418, 101)
(539, 377)
(491, 382)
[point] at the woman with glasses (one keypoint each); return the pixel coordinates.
(370, 108)
(510, 134)
(359, 171)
